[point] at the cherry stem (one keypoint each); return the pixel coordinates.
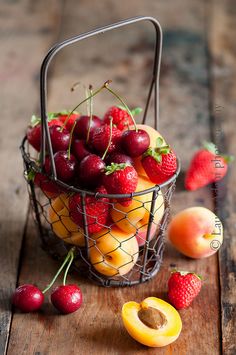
(123, 103)
(90, 112)
(110, 138)
(68, 257)
(68, 267)
(83, 101)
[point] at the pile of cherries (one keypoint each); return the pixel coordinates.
(84, 145)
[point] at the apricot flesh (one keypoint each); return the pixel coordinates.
(153, 322)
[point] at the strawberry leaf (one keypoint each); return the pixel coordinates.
(34, 120)
(110, 169)
(152, 153)
(228, 158)
(159, 142)
(211, 147)
(136, 111)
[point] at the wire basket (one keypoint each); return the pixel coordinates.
(121, 245)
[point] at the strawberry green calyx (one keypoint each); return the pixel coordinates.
(184, 273)
(136, 111)
(157, 152)
(211, 147)
(110, 169)
(35, 120)
(228, 158)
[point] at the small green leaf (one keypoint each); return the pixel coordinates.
(30, 175)
(110, 169)
(34, 120)
(211, 147)
(159, 142)
(157, 157)
(228, 158)
(52, 115)
(164, 150)
(136, 111)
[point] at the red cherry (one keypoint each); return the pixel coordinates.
(34, 136)
(82, 125)
(34, 133)
(60, 138)
(119, 158)
(135, 143)
(80, 149)
(67, 299)
(28, 298)
(65, 166)
(90, 170)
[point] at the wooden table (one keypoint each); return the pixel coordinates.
(198, 93)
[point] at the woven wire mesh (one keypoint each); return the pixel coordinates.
(111, 244)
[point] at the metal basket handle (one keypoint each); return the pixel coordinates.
(57, 47)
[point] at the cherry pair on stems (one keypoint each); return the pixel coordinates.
(65, 298)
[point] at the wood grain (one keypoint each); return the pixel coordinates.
(185, 121)
(25, 36)
(223, 51)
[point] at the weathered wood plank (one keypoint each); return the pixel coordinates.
(97, 327)
(25, 35)
(223, 96)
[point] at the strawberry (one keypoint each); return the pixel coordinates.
(159, 163)
(65, 116)
(121, 118)
(183, 287)
(120, 179)
(96, 210)
(34, 131)
(101, 139)
(206, 167)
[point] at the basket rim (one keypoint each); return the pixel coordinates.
(26, 158)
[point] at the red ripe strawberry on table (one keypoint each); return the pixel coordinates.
(207, 166)
(183, 287)
(159, 163)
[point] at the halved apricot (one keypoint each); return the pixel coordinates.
(153, 322)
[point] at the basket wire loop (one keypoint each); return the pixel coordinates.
(57, 47)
